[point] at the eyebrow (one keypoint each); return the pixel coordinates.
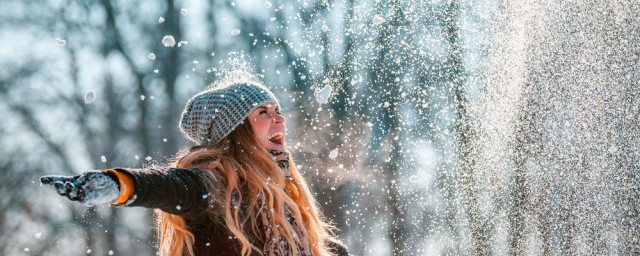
(277, 108)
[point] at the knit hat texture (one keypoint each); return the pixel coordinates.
(215, 112)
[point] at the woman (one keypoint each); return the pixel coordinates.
(237, 192)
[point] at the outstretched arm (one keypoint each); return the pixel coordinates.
(177, 191)
(173, 190)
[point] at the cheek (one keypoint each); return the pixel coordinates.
(260, 128)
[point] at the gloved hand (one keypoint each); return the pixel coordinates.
(91, 188)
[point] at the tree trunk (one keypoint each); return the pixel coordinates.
(466, 131)
(385, 91)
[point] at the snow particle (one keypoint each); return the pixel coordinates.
(26, 249)
(333, 154)
(152, 56)
(103, 159)
(377, 20)
(89, 97)
(110, 252)
(323, 95)
(161, 19)
(148, 158)
(168, 41)
(267, 4)
(142, 97)
(88, 251)
(178, 207)
(61, 42)
(37, 235)
(182, 43)
(325, 28)
(184, 11)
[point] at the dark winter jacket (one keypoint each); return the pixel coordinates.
(183, 192)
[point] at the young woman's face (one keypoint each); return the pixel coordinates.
(268, 126)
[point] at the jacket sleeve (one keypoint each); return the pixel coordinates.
(173, 190)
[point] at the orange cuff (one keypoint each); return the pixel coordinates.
(126, 186)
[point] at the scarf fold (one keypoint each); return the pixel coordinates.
(282, 159)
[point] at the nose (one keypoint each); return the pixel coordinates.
(278, 119)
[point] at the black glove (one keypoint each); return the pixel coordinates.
(90, 188)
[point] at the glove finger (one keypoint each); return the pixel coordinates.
(69, 186)
(73, 197)
(51, 179)
(60, 188)
(73, 191)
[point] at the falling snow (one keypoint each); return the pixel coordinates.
(89, 97)
(422, 127)
(168, 41)
(377, 20)
(61, 42)
(333, 154)
(182, 43)
(235, 32)
(322, 96)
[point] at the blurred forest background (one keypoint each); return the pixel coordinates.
(425, 127)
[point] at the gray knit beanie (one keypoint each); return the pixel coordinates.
(215, 112)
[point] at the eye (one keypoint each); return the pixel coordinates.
(264, 111)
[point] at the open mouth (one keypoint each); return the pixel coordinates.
(277, 138)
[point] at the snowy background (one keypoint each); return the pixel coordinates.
(424, 127)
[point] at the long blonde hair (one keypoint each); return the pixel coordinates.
(247, 183)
